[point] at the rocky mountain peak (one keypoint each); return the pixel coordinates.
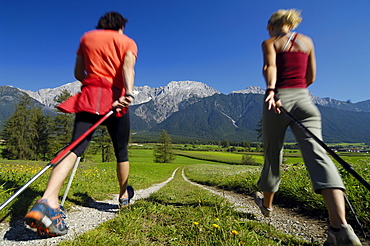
(167, 99)
(47, 96)
(251, 90)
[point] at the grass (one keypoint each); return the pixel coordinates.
(295, 189)
(182, 214)
(92, 180)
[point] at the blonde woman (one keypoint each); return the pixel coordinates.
(289, 68)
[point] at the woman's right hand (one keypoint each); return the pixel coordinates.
(123, 102)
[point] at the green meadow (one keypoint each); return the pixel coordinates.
(179, 213)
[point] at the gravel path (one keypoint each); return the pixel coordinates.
(81, 219)
(287, 220)
(284, 219)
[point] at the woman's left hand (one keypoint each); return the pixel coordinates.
(272, 104)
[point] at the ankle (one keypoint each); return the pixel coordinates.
(270, 209)
(337, 224)
(334, 229)
(51, 203)
(124, 196)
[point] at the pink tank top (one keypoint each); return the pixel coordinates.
(291, 66)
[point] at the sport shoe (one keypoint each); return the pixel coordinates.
(258, 199)
(124, 202)
(47, 220)
(346, 236)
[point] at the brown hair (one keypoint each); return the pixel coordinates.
(111, 21)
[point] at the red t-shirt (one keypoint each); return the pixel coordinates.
(103, 52)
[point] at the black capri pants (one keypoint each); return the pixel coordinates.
(118, 128)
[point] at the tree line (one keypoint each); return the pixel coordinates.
(29, 134)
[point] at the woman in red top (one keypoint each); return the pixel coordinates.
(289, 68)
(105, 66)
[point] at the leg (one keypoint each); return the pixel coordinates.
(57, 178)
(46, 215)
(119, 130)
(339, 233)
(324, 175)
(273, 133)
(123, 169)
(268, 198)
(334, 200)
(83, 121)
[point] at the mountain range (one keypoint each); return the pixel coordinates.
(195, 111)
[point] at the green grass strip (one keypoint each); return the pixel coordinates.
(183, 214)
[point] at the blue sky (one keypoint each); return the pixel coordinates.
(217, 42)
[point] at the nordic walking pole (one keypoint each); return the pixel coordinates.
(58, 158)
(354, 213)
(70, 180)
(345, 165)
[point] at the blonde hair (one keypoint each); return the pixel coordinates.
(290, 17)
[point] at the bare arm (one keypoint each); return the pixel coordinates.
(311, 66)
(269, 63)
(270, 73)
(128, 71)
(79, 71)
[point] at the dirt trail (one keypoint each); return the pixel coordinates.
(79, 220)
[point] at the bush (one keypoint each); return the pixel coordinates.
(248, 160)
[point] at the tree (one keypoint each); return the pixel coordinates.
(258, 148)
(42, 139)
(259, 129)
(20, 132)
(62, 125)
(103, 143)
(225, 143)
(246, 145)
(248, 160)
(163, 152)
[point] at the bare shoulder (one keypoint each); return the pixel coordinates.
(268, 42)
(307, 40)
(304, 38)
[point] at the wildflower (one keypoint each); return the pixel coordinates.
(216, 226)
(196, 223)
(234, 232)
(216, 219)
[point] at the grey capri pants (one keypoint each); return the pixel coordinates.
(321, 168)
